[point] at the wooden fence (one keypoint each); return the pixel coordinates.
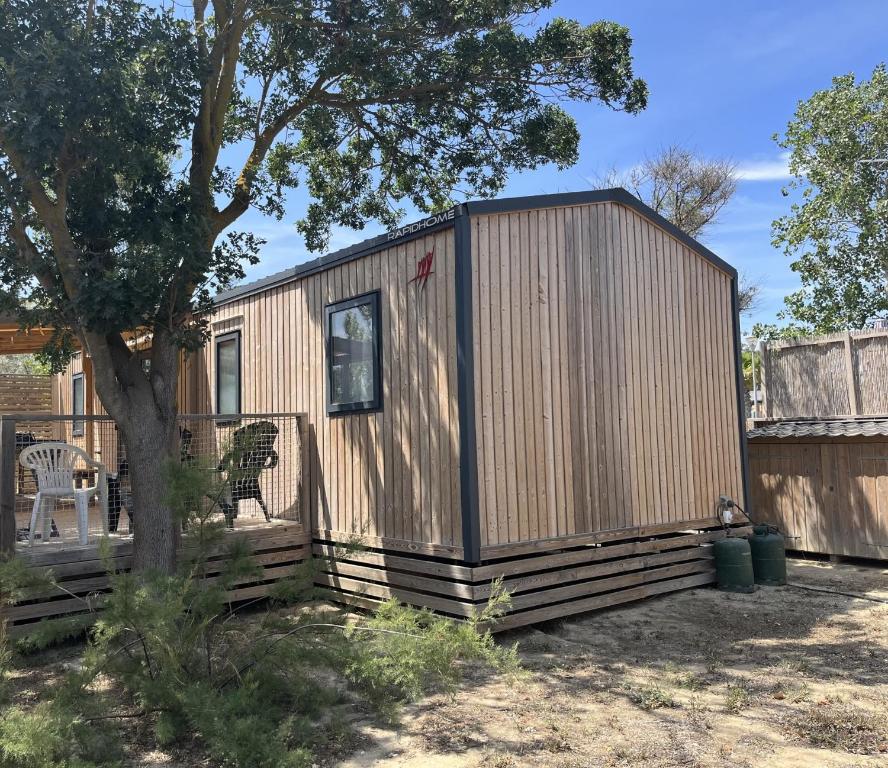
(829, 494)
(843, 374)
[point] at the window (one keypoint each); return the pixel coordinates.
(354, 355)
(78, 403)
(228, 376)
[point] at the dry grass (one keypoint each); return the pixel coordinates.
(841, 726)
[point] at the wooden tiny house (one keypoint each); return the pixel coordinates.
(542, 388)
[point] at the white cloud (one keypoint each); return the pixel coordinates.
(765, 170)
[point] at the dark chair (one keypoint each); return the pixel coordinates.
(251, 452)
(23, 440)
(118, 496)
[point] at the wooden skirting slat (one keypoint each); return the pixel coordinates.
(383, 592)
(387, 560)
(599, 552)
(542, 586)
(397, 578)
(402, 546)
(81, 576)
(562, 610)
(552, 578)
(559, 594)
(620, 534)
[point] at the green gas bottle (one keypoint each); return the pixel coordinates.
(768, 549)
(733, 565)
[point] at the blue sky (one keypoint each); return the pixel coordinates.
(723, 79)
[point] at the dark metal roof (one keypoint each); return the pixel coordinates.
(876, 427)
(435, 222)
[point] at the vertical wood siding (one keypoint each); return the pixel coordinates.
(605, 378)
(830, 495)
(392, 475)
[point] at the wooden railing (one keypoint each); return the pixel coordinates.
(212, 442)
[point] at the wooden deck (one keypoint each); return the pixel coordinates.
(82, 580)
(66, 522)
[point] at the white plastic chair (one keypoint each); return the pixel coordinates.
(54, 465)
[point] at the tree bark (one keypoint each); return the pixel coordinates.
(150, 447)
(144, 408)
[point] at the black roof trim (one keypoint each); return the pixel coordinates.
(614, 195)
(352, 252)
(475, 207)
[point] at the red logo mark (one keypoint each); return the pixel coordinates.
(424, 269)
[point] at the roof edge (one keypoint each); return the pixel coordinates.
(612, 195)
(447, 218)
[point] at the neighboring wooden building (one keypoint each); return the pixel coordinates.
(544, 385)
(818, 460)
(824, 483)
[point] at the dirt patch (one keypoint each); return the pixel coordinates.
(784, 678)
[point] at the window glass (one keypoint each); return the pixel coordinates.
(78, 403)
(353, 374)
(228, 374)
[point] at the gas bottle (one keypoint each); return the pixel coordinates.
(768, 548)
(733, 565)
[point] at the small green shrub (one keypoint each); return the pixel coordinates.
(257, 691)
(737, 698)
(651, 697)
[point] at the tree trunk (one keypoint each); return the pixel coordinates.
(144, 408)
(150, 446)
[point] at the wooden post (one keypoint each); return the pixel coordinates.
(7, 486)
(764, 374)
(89, 396)
(302, 452)
(850, 377)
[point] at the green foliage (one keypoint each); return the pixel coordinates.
(103, 104)
(31, 365)
(836, 234)
(135, 134)
(773, 332)
(49, 735)
(405, 651)
(257, 690)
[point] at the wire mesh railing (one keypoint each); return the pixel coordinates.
(244, 470)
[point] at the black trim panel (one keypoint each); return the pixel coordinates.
(741, 389)
(465, 378)
(78, 428)
(368, 406)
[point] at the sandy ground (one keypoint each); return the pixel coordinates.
(699, 678)
(784, 677)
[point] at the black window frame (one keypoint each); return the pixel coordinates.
(78, 427)
(222, 338)
(364, 406)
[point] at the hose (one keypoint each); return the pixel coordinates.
(855, 595)
(731, 503)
